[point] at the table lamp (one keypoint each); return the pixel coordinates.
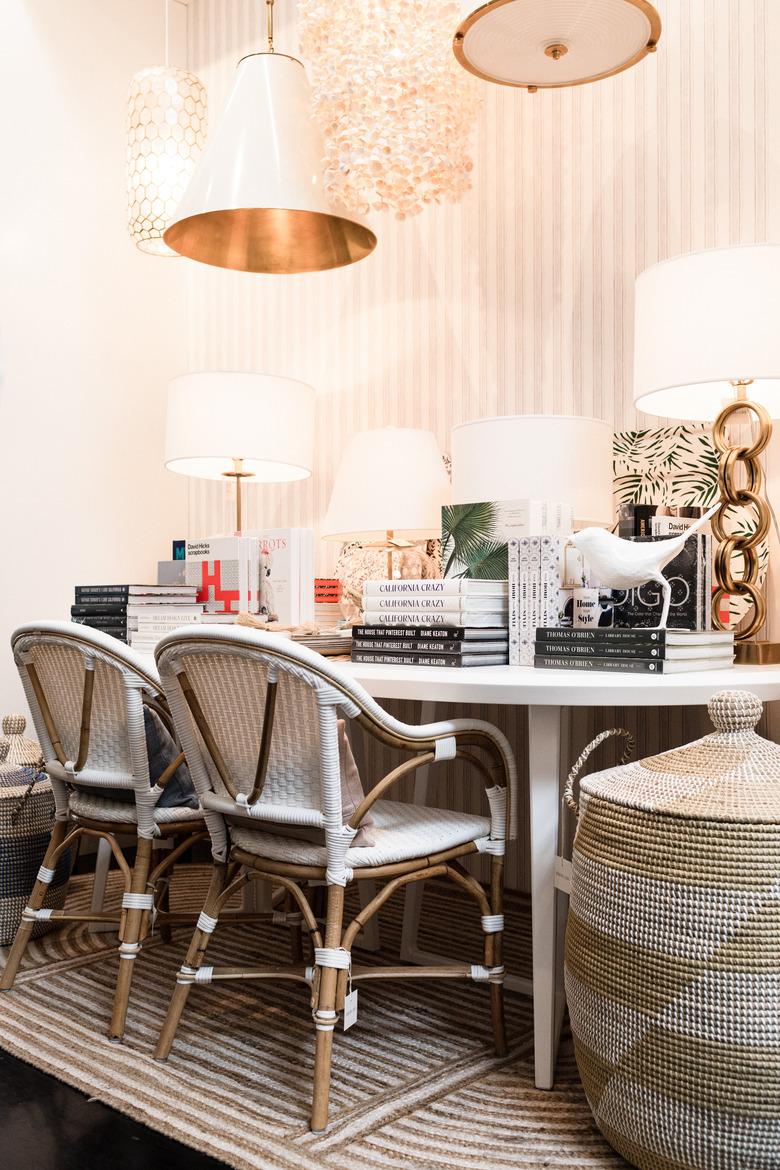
(536, 457)
(224, 425)
(390, 488)
(707, 346)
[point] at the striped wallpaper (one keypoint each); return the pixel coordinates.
(520, 298)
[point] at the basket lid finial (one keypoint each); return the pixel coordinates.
(24, 752)
(735, 710)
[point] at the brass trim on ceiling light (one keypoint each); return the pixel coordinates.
(478, 13)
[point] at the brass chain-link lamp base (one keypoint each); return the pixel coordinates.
(747, 495)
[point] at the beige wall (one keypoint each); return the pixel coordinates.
(521, 297)
(90, 329)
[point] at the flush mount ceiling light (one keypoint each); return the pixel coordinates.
(395, 110)
(166, 131)
(546, 44)
(256, 202)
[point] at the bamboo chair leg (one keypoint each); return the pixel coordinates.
(197, 949)
(493, 953)
(35, 902)
(325, 1013)
(130, 945)
(296, 931)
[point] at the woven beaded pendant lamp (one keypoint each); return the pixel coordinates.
(166, 132)
(256, 202)
(546, 44)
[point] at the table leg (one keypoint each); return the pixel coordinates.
(102, 863)
(410, 952)
(544, 764)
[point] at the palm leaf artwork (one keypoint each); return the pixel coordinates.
(490, 563)
(670, 465)
(468, 539)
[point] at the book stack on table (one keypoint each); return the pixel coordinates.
(136, 614)
(434, 622)
(651, 651)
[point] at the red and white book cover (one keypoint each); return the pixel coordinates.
(226, 571)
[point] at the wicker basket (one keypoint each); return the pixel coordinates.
(26, 818)
(673, 950)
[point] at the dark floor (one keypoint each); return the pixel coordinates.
(46, 1125)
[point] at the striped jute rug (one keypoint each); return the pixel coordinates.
(415, 1082)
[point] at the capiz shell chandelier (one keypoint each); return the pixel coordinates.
(395, 109)
(166, 131)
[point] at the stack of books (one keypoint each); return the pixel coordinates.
(639, 650)
(136, 614)
(455, 622)
(266, 571)
(327, 603)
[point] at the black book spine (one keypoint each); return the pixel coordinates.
(98, 609)
(561, 637)
(451, 633)
(579, 662)
(398, 659)
(646, 650)
(102, 623)
(417, 646)
(115, 593)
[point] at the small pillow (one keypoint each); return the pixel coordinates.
(352, 790)
(161, 751)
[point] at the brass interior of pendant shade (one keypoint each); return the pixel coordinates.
(271, 239)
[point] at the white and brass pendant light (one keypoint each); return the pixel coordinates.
(166, 132)
(256, 202)
(546, 44)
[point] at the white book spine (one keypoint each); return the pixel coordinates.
(670, 525)
(523, 573)
(440, 586)
(423, 617)
(451, 605)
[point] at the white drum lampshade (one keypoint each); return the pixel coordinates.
(390, 481)
(543, 44)
(536, 457)
(256, 201)
(703, 322)
(238, 426)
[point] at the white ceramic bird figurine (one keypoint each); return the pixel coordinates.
(625, 564)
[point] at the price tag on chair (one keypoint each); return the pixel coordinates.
(350, 1002)
(350, 1009)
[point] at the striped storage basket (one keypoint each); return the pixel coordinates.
(26, 818)
(673, 950)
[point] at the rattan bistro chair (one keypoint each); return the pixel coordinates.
(258, 719)
(87, 692)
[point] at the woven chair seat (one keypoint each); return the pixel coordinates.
(401, 832)
(101, 808)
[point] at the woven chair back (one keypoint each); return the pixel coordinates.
(86, 693)
(232, 690)
(257, 717)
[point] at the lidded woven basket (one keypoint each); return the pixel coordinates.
(673, 949)
(26, 819)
